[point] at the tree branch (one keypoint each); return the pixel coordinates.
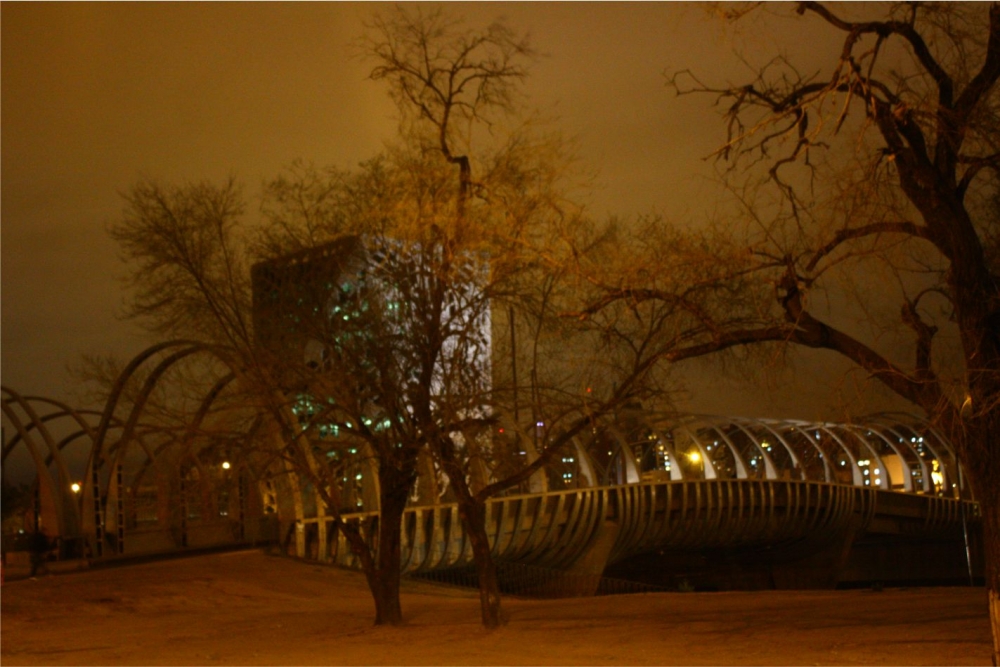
(852, 233)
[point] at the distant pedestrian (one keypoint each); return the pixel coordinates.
(39, 550)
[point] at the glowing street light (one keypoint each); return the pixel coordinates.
(694, 457)
(75, 487)
(225, 465)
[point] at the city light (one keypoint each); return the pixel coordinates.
(694, 457)
(225, 465)
(75, 487)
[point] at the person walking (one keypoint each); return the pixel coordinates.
(39, 550)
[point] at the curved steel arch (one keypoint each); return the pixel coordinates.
(103, 455)
(867, 436)
(66, 411)
(67, 513)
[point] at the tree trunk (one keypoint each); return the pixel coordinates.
(473, 515)
(976, 437)
(384, 584)
(385, 592)
(989, 503)
(472, 512)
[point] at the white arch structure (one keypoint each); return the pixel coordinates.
(90, 466)
(895, 452)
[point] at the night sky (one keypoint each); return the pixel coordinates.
(97, 96)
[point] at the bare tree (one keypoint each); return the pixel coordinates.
(401, 355)
(364, 333)
(426, 362)
(190, 264)
(382, 282)
(448, 84)
(871, 177)
(457, 92)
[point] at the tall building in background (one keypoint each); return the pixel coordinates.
(294, 295)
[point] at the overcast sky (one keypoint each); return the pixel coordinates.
(97, 96)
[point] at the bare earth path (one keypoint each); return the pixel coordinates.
(250, 608)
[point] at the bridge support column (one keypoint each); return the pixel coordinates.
(823, 567)
(589, 567)
(300, 539)
(321, 547)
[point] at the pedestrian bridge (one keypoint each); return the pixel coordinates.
(804, 495)
(649, 491)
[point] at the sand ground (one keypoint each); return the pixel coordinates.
(250, 608)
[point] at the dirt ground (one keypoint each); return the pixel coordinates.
(250, 608)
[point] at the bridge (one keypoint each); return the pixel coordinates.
(732, 502)
(725, 502)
